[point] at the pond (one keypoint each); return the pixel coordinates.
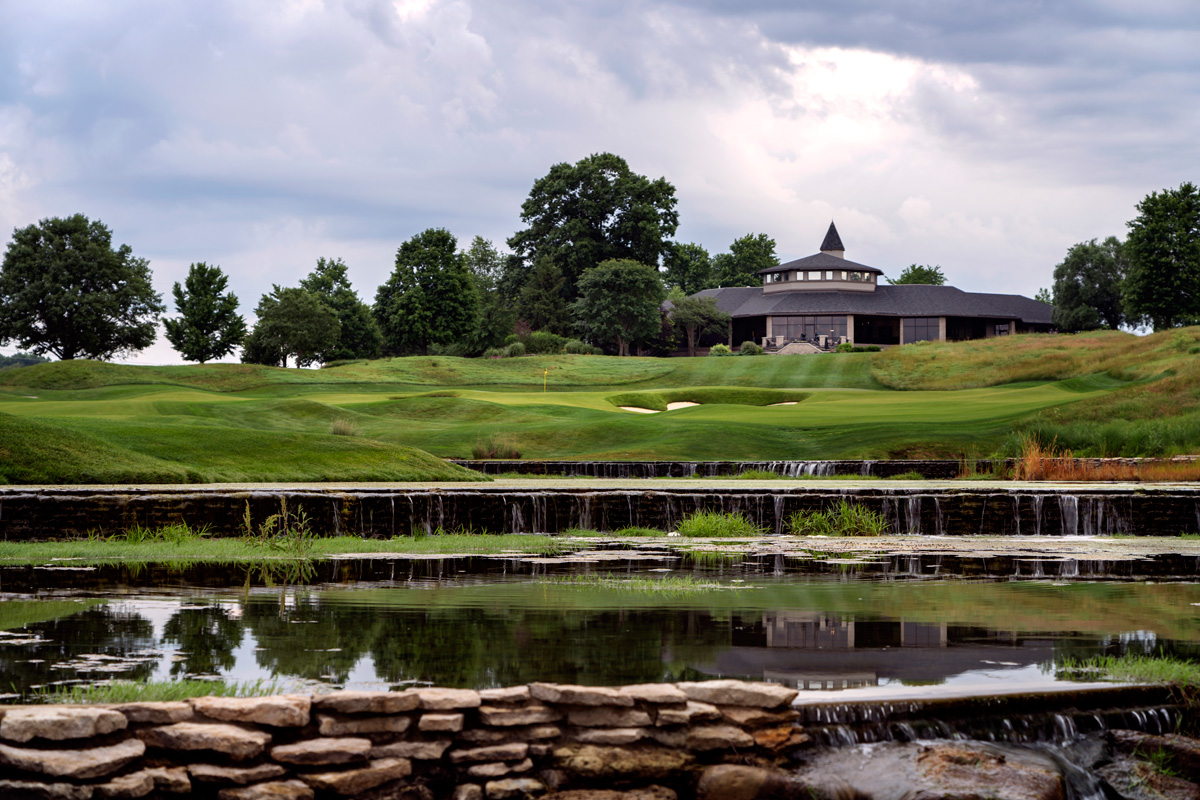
(852, 626)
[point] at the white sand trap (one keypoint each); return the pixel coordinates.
(637, 410)
(681, 404)
(786, 403)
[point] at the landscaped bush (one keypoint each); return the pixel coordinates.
(577, 348)
(715, 523)
(719, 350)
(543, 342)
(515, 349)
(750, 349)
(495, 352)
(844, 519)
(846, 347)
(494, 446)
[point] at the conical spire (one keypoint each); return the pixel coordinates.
(833, 243)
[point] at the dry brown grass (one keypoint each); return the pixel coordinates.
(1047, 463)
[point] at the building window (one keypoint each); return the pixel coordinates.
(919, 329)
(809, 329)
(1002, 329)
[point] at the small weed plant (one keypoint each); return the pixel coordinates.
(286, 531)
(718, 524)
(177, 533)
(844, 519)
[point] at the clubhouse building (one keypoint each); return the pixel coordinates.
(817, 302)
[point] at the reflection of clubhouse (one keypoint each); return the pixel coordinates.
(817, 302)
(813, 650)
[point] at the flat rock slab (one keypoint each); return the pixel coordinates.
(739, 693)
(353, 726)
(165, 713)
(323, 751)
(657, 693)
(648, 793)
(448, 699)
(237, 743)
(527, 715)
(498, 752)
(579, 695)
(59, 723)
(136, 784)
(92, 762)
(235, 776)
(506, 788)
(355, 702)
(354, 781)
(281, 711)
(280, 790)
(601, 717)
(596, 762)
(31, 790)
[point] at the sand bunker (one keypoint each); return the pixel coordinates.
(785, 403)
(680, 404)
(637, 410)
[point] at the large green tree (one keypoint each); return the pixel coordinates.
(920, 273)
(208, 325)
(496, 314)
(292, 322)
(1162, 286)
(540, 302)
(747, 255)
(359, 335)
(64, 290)
(1088, 286)
(595, 210)
(619, 302)
(688, 267)
(430, 297)
(698, 316)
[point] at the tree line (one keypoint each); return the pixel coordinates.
(1152, 278)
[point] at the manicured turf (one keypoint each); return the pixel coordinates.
(1105, 393)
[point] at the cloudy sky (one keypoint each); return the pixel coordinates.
(986, 137)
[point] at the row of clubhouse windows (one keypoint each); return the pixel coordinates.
(820, 275)
(809, 329)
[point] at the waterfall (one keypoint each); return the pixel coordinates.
(1037, 514)
(914, 515)
(1069, 505)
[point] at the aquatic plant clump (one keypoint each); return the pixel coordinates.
(126, 691)
(718, 525)
(844, 519)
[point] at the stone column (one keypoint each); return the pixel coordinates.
(941, 329)
(850, 328)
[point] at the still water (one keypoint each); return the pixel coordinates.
(864, 628)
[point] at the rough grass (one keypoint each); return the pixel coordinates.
(843, 519)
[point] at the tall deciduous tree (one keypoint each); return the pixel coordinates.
(595, 210)
(208, 325)
(430, 296)
(688, 267)
(619, 302)
(65, 290)
(1162, 286)
(293, 322)
(746, 256)
(920, 273)
(698, 316)
(359, 335)
(1088, 286)
(540, 303)
(496, 315)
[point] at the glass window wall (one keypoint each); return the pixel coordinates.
(809, 329)
(919, 329)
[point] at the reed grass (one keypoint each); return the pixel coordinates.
(1042, 461)
(343, 426)
(843, 519)
(716, 524)
(1184, 675)
(495, 446)
(125, 691)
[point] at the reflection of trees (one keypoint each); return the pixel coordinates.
(207, 637)
(101, 630)
(297, 638)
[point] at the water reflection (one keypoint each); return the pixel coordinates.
(812, 632)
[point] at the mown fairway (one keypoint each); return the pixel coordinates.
(92, 422)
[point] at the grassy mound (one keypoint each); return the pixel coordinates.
(706, 395)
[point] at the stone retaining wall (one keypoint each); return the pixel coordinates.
(29, 513)
(540, 739)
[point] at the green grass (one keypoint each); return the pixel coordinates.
(718, 525)
(1098, 394)
(123, 691)
(672, 585)
(1136, 669)
(843, 519)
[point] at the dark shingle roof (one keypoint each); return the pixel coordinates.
(832, 240)
(821, 261)
(911, 300)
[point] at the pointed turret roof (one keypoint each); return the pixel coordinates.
(832, 240)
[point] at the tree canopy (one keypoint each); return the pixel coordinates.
(920, 273)
(64, 290)
(292, 322)
(208, 325)
(359, 335)
(429, 298)
(1088, 286)
(595, 210)
(496, 316)
(540, 302)
(619, 302)
(688, 267)
(747, 255)
(698, 316)
(1162, 285)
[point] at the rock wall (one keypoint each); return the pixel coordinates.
(428, 743)
(28, 513)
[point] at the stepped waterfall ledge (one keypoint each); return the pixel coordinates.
(978, 508)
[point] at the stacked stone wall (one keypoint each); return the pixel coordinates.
(650, 741)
